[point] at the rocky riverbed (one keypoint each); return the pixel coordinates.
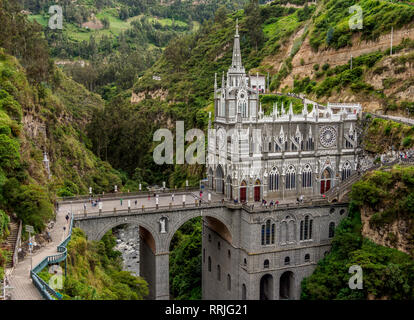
(128, 244)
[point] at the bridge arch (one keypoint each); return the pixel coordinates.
(141, 224)
(216, 221)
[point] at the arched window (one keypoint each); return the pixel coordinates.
(229, 253)
(291, 178)
(245, 262)
(209, 238)
(348, 145)
(218, 245)
(307, 177)
(307, 257)
(244, 292)
(266, 264)
(331, 229)
(310, 144)
(209, 264)
(274, 180)
(306, 226)
(219, 180)
(287, 261)
(268, 233)
(218, 273)
(228, 282)
(222, 107)
(210, 178)
(346, 171)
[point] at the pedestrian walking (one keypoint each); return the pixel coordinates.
(121, 202)
(172, 197)
(136, 201)
(67, 218)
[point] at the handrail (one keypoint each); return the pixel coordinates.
(45, 290)
(126, 194)
(17, 245)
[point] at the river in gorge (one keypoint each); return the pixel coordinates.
(127, 242)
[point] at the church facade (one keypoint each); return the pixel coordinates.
(281, 156)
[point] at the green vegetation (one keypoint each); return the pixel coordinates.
(381, 135)
(389, 195)
(4, 232)
(185, 262)
(387, 273)
(119, 39)
(95, 271)
(269, 100)
(331, 25)
(57, 110)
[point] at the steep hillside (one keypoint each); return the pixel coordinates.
(106, 44)
(305, 47)
(42, 112)
(386, 201)
(387, 272)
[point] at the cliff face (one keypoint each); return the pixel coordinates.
(395, 234)
(386, 199)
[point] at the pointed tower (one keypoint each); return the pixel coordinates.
(305, 110)
(236, 72)
(260, 112)
(291, 109)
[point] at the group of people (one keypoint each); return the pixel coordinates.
(271, 203)
(406, 155)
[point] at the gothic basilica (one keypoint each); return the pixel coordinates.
(282, 155)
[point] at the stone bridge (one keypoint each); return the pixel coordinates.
(157, 228)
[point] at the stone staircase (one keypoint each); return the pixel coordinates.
(341, 190)
(11, 240)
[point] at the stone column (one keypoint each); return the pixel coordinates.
(162, 272)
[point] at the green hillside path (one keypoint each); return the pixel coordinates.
(23, 288)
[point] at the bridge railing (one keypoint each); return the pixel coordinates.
(125, 195)
(45, 290)
(152, 209)
(250, 207)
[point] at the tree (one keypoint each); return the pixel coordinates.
(221, 14)
(254, 23)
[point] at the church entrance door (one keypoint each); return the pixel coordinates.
(257, 191)
(326, 181)
(243, 189)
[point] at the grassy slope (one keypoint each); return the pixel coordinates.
(95, 272)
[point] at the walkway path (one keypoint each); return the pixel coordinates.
(404, 120)
(23, 288)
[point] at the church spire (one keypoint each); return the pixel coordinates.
(237, 62)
